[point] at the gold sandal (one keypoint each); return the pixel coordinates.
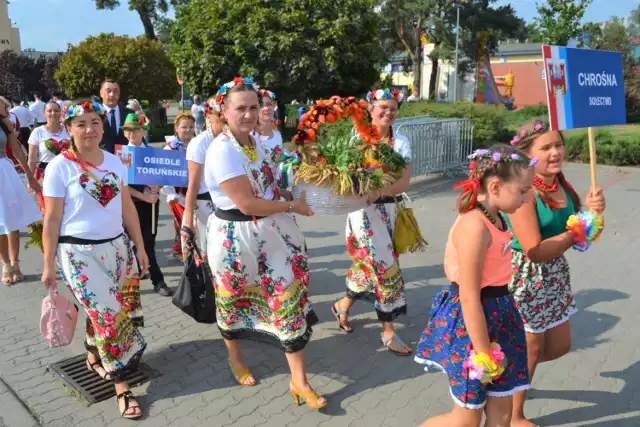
(242, 375)
(311, 398)
(7, 274)
(16, 273)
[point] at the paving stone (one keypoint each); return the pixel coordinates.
(366, 386)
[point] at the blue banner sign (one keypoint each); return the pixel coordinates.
(153, 166)
(585, 88)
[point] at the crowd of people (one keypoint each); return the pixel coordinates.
(507, 308)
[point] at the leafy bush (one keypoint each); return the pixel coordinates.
(612, 148)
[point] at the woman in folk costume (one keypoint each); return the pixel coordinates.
(17, 207)
(198, 204)
(87, 201)
(256, 251)
(375, 269)
(184, 125)
(46, 142)
(269, 135)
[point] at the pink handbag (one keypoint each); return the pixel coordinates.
(58, 319)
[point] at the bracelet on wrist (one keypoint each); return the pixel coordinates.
(485, 367)
(585, 228)
(290, 211)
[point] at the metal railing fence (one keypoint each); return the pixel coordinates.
(437, 145)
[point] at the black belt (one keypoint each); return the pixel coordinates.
(235, 215)
(388, 199)
(78, 241)
(488, 292)
(204, 196)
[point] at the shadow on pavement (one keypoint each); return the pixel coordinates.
(601, 404)
(588, 325)
(357, 361)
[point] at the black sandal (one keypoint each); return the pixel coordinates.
(340, 312)
(127, 396)
(91, 367)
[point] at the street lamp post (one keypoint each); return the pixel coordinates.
(455, 73)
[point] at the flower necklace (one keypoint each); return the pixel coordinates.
(547, 188)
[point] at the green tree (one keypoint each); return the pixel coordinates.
(406, 20)
(531, 34)
(148, 10)
(20, 76)
(297, 48)
(559, 20)
(616, 35)
(139, 65)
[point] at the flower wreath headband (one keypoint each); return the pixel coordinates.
(78, 110)
(267, 94)
(383, 95)
(225, 88)
(211, 106)
(179, 117)
(538, 129)
(499, 157)
(472, 183)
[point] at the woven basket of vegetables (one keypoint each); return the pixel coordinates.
(342, 153)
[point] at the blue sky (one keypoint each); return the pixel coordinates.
(48, 25)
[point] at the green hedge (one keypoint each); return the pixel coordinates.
(612, 148)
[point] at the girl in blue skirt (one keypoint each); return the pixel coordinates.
(475, 334)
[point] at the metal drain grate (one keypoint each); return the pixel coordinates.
(89, 385)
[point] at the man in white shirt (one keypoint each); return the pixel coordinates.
(57, 98)
(26, 119)
(37, 108)
(115, 115)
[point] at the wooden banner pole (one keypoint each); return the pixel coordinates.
(592, 156)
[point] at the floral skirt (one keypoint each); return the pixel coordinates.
(375, 271)
(445, 344)
(261, 279)
(204, 209)
(102, 277)
(542, 292)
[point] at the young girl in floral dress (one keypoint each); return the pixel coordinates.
(87, 201)
(256, 251)
(184, 125)
(375, 269)
(475, 334)
(198, 205)
(541, 283)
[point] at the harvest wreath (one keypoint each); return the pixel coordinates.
(338, 147)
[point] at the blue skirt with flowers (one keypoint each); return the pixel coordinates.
(445, 344)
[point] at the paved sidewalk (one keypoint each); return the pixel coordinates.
(597, 384)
